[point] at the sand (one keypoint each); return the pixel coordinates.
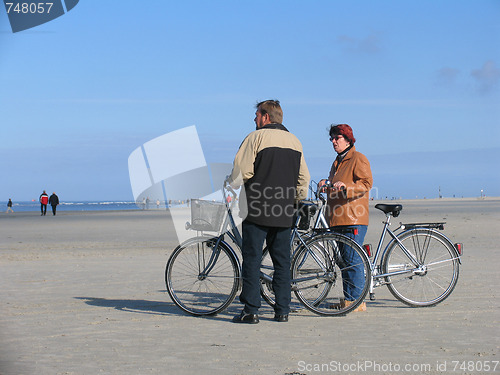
(84, 293)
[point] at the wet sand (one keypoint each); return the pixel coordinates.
(84, 293)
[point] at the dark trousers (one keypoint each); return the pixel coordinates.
(278, 243)
(54, 209)
(43, 208)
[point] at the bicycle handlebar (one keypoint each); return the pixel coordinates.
(326, 185)
(227, 187)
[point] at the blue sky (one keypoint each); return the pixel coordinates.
(418, 81)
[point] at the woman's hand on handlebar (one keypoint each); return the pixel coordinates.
(338, 185)
(323, 184)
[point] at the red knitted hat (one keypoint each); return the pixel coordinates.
(343, 129)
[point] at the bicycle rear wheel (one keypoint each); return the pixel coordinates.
(202, 279)
(435, 275)
(320, 274)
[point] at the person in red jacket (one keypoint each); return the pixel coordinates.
(44, 200)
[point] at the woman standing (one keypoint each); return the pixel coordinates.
(348, 190)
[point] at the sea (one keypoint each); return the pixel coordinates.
(76, 206)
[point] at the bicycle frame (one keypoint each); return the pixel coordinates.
(379, 255)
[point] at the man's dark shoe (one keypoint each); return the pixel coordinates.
(281, 318)
(246, 318)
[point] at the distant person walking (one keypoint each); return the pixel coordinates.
(54, 201)
(44, 200)
(9, 206)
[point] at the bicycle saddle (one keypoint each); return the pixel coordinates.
(393, 209)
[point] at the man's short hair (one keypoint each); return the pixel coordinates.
(273, 108)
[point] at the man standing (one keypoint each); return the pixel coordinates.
(54, 201)
(9, 206)
(44, 199)
(271, 165)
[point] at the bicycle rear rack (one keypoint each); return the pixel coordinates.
(439, 226)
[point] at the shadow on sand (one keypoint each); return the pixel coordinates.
(141, 306)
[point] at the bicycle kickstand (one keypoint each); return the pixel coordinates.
(372, 293)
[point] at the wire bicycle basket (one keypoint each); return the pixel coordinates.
(206, 215)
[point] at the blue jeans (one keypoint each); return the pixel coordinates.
(278, 243)
(353, 277)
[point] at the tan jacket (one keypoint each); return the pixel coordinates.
(350, 207)
(271, 165)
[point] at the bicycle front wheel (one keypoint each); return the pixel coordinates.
(426, 273)
(202, 279)
(330, 274)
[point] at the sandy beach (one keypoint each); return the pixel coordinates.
(84, 293)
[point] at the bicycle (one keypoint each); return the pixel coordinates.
(420, 265)
(203, 274)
